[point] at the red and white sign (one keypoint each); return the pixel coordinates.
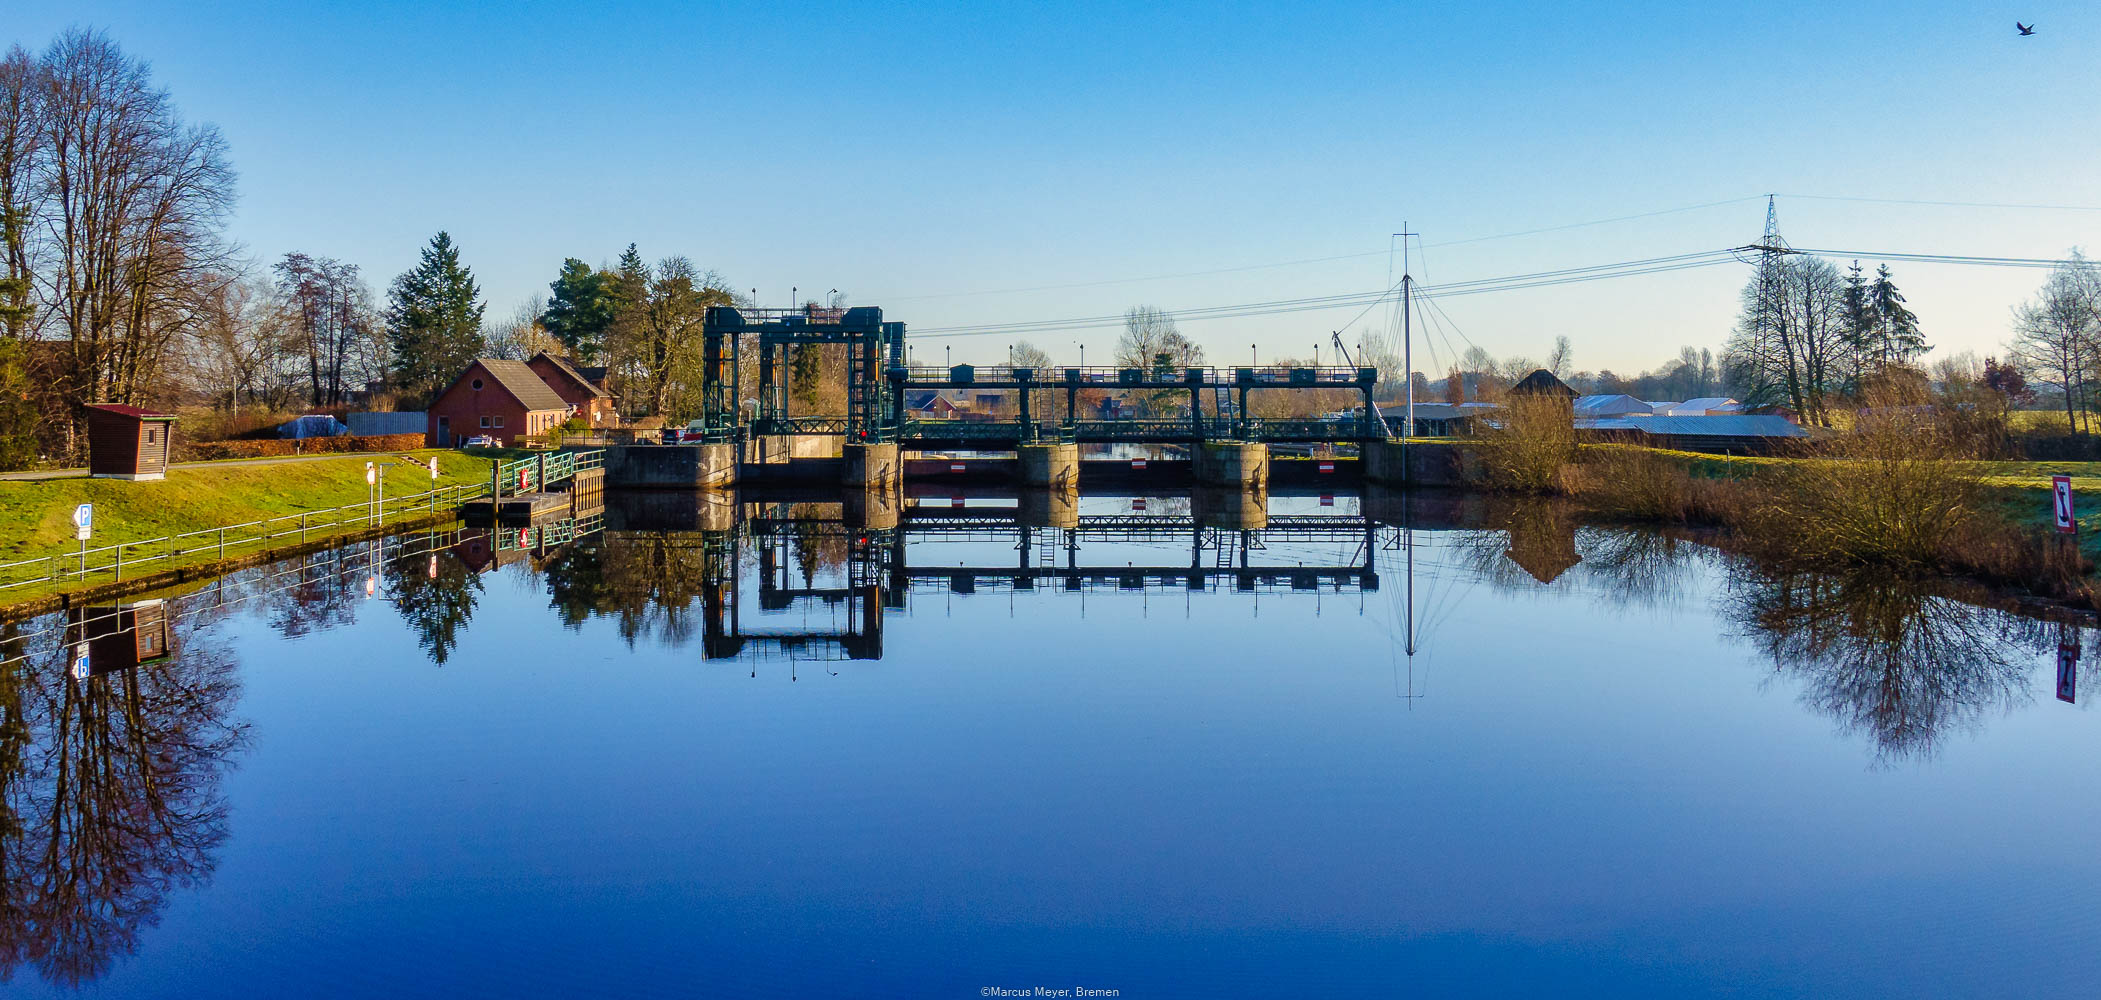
(955, 501)
(371, 474)
(2067, 671)
(2061, 499)
(434, 468)
(432, 571)
(1138, 504)
(1327, 467)
(1327, 500)
(955, 466)
(1137, 463)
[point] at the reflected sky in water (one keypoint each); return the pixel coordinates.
(1616, 765)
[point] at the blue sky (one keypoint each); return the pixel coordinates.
(932, 160)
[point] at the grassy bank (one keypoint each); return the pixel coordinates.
(1890, 503)
(36, 517)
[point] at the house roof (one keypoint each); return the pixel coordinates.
(1612, 402)
(1709, 402)
(584, 382)
(1730, 425)
(521, 382)
(130, 411)
(1542, 382)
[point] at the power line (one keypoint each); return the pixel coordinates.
(1368, 300)
(1946, 204)
(1934, 258)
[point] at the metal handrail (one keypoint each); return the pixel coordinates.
(81, 564)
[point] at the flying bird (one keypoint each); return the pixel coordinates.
(2025, 29)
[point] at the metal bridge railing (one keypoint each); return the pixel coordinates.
(535, 473)
(113, 559)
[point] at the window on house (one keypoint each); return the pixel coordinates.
(149, 435)
(477, 385)
(499, 421)
(485, 421)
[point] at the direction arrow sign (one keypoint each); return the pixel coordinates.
(2061, 499)
(2067, 671)
(83, 521)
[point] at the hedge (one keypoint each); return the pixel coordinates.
(205, 451)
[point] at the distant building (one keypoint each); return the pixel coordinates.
(505, 400)
(1723, 434)
(1543, 383)
(930, 404)
(578, 389)
(1615, 405)
(125, 442)
(1705, 406)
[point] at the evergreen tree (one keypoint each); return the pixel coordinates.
(1860, 323)
(581, 310)
(1897, 337)
(433, 320)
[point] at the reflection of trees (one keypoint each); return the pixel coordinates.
(109, 799)
(1881, 655)
(435, 606)
(647, 580)
(1634, 565)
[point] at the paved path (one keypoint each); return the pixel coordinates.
(223, 463)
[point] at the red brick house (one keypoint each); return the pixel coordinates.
(505, 400)
(578, 389)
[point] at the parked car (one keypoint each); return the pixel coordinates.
(479, 441)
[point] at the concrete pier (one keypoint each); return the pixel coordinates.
(1421, 463)
(1055, 465)
(1049, 508)
(872, 466)
(871, 510)
(1232, 509)
(1240, 464)
(671, 466)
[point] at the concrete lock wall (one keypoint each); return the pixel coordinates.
(1049, 508)
(769, 449)
(1421, 463)
(1231, 463)
(1049, 464)
(671, 466)
(872, 466)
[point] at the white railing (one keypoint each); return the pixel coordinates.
(113, 559)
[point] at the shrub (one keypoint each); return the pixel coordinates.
(1528, 450)
(205, 451)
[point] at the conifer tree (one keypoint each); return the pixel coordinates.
(1897, 337)
(433, 320)
(580, 311)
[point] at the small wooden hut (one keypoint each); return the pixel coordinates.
(125, 442)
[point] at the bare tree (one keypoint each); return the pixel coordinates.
(1792, 344)
(331, 315)
(2055, 334)
(522, 335)
(20, 142)
(132, 202)
(1561, 360)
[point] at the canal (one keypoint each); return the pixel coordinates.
(1163, 745)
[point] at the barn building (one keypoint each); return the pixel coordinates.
(505, 400)
(577, 388)
(125, 442)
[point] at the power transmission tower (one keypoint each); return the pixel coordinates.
(1771, 249)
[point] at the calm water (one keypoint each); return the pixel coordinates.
(806, 757)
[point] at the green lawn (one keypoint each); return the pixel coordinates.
(36, 517)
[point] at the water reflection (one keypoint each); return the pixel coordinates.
(110, 767)
(111, 762)
(1886, 657)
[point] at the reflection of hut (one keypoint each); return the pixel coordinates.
(1542, 543)
(117, 637)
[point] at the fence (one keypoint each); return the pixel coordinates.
(163, 551)
(531, 475)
